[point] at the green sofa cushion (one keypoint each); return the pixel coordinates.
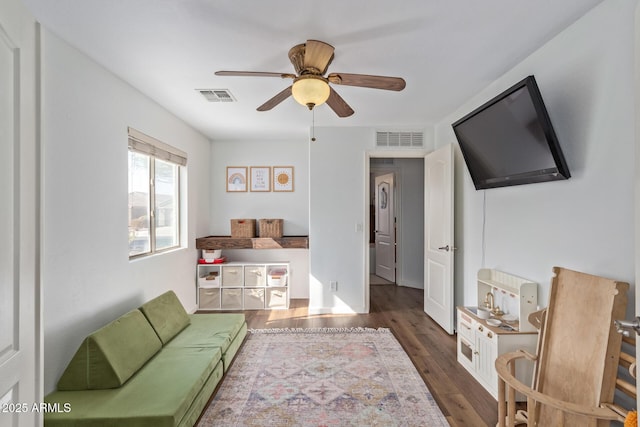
(170, 390)
(111, 355)
(233, 348)
(166, 315)
(210, 330)
(224, 330)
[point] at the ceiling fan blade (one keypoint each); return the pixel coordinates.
(318, 55)
(255, 74)
(364, 80)
(275, 100)
(338, 104)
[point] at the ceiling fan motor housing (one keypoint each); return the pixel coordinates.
(311, 60)
(296, 56)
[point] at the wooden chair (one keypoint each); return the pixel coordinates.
(575, 368)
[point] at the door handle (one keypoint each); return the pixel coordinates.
(625, 327)
(447, 248)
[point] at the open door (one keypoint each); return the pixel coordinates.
(438, 229)
(385, 228)
(20, 340)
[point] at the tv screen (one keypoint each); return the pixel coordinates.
(510, 140)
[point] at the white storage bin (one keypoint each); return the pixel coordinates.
(277, 298)
(254, 275)
(232, 299)
(277, 276)
(209, 299)
(209, 279)
(253, 298)
(231, 275)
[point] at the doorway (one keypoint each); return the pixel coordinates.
(396, 243)
(384, 224)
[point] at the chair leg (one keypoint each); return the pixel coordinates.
(511, 400)
(532, 419)
(501, 403)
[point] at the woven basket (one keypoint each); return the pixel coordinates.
(270, 228)
(243, 228)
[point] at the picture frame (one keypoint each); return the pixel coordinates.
(260, 178)
(236, 179)
(283, 178)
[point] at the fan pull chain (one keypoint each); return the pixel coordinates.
(313, 125)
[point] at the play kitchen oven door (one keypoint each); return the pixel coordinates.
(466, 350)
(466, 341)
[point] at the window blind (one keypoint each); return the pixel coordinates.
(146, 144)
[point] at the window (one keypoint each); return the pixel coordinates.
(154, 195)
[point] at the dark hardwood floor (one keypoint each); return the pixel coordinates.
(463, 401)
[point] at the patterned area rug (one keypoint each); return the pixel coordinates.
(322, 377)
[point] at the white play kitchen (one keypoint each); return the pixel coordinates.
(497, 325)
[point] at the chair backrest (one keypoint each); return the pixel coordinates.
(579, 347)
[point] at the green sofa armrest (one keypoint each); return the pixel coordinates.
(111, 355)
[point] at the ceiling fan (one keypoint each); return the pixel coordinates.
(310, 87)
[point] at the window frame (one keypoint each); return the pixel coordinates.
(155, 150)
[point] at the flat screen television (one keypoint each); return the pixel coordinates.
(510, 140)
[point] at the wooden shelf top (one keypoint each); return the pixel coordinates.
(228, 242)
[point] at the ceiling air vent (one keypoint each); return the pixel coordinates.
(217, 95)
(400, 139)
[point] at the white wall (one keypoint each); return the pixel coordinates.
(339, 200)
(339, 215)
(333, 174)
(292, 207)
(87, 277)
(585, 75)
(330, 200)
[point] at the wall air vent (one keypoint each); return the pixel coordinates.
(217, 95)
(400, 139)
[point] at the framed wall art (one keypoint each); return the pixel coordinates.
(236, 179)
(260, 178)
(283, 178)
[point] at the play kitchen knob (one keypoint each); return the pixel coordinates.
(625, 327)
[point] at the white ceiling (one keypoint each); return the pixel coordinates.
(446, 50)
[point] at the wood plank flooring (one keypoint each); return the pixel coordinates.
(463, 401)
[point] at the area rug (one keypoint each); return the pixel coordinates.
(322, 377)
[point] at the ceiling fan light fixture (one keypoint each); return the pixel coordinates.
(310, 90)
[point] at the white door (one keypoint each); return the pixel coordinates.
(385, 228)
(20, 339)
(438, 230)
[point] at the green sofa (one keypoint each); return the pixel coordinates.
(154, 366)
